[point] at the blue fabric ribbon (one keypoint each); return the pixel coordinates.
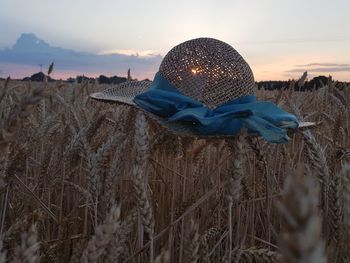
(263, 118)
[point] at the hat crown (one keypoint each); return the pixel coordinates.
(208, 70)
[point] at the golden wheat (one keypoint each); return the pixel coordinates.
(66, 162)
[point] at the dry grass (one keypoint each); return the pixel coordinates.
(103, 184)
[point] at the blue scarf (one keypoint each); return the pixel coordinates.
(262, 118)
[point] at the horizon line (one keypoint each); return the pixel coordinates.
(97, 75)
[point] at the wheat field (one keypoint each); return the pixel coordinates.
(82, 181)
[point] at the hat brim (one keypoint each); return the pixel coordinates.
(123, 93)
(126, 92)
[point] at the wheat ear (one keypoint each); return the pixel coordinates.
(207, 237)
(163, 257)
(335, 207)
(301, 241)
(318, 161)
(345, 175)
(140, 176)
(27, 252)
(260, 254)
(103, 236)
(118, 245)
(238, 147)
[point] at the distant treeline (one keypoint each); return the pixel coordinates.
(101, 79)
(40, 76)
(310, 85)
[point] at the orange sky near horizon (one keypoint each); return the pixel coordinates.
(275, 37)
(265, 72)
(17, 71)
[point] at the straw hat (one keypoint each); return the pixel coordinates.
(206, 69)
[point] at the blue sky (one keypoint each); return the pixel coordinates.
(278, 38)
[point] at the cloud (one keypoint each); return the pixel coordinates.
(323, 69)
(320, 67)
(129, 52)
(323, 65)
(32, 51)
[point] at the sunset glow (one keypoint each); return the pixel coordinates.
(129, 52)
(277, 44)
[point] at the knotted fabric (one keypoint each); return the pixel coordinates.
(258, 117)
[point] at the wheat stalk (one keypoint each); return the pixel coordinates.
(2, 251)
(77, 251)
(234, 185)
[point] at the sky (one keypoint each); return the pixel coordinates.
(278, 38)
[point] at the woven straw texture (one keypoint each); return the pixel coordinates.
(209, 70)
(123, 93)
(206, 69)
